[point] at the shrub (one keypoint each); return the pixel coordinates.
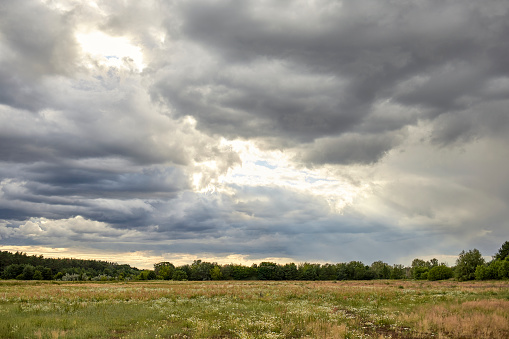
(503, 271)
(102, 277)
(12, 271)
(38, 275)
(440, 272)
(179, 274)
(28, 272)
(71, 277)
(47, 274)
(482, 273)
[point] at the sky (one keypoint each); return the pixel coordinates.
(248, 131)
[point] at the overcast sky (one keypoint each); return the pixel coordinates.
(244, 131)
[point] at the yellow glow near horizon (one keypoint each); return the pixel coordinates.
(112, 51)
(138, 259)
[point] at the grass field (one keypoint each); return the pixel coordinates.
(255, 309)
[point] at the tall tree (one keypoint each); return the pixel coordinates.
(420, 268)
(381, 270)
(503, 252)
(215, 273)
(467, 263)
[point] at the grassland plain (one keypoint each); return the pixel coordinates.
(255, 309)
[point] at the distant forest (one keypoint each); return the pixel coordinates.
(470, 265)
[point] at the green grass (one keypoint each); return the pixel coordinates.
(254, 309)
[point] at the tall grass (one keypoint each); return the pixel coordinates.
(255, 309)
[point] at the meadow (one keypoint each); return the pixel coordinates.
(255, 309)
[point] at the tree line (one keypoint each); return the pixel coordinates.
(469, 265)
(21, 266)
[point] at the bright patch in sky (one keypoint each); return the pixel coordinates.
(275, 169)
(112, 51)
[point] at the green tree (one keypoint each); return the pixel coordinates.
(215, 273)
(503, 271)
(433, 262)
(164, 270)
(398, 272)
(38, 275)
(467, 263)
(28, 272)
(494, 269)
(290, 271)
(482, 272)
(342, 272)
(179, 274)
(47, 274)
(381, 270)
(226, 271)
(328, 272)
(268, 271)
(201, 270)
(440, 272)
(356, 270)
(420, 268)
(143, 275)
(238, 272)
(503, 252)
(164, 273)
(308, 271)
(12, 271)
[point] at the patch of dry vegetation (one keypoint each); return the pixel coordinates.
(469, 319)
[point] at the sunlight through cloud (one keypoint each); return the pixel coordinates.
(276, 169)
(112, 51)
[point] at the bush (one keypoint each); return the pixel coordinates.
(28, 272)
(151, 275)
(440, 272)
(503, 271)
(482, 272)
(102, 277)
(179, 274)
(71, 277)
(47, 274)
(38, 275)
(13, 271)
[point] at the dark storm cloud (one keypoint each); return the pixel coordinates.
(36, 42)
(350, 149)
(264, 99)
(66, 179)
(335, 62)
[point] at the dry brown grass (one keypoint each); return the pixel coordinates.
(470, 319)
(325, 330)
